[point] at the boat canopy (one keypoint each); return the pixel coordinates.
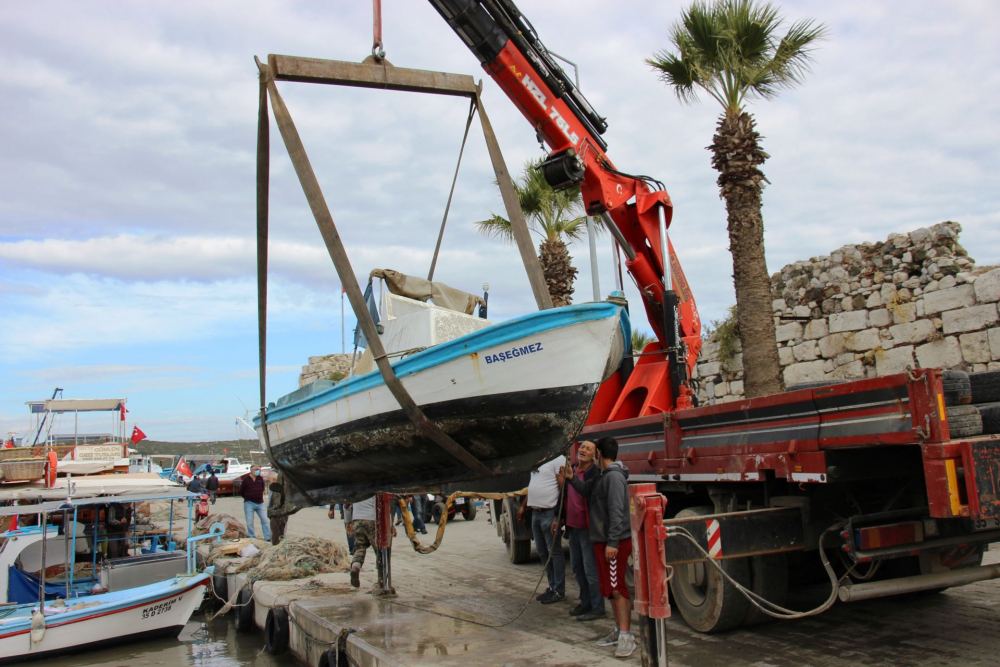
(59, 505)
(126, 484)
(77, 405)
(422, 289)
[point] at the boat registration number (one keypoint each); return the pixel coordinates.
(513, 353)
(157, 609)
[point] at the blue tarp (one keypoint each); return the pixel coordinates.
(359, 336)
(22, 588)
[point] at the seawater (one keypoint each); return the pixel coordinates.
(204, 641)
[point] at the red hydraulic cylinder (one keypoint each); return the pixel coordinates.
(649, 555)
(383, 520)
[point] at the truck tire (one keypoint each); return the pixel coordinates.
(437, 512)
(470, 509)
(768, 579)
(964, 421)
(957, 388)
(705, 599)
(518, 551)
(990, 414)
(985, 386)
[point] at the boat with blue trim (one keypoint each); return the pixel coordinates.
(513, 394)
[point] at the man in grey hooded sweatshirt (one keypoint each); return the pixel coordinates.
(611, 535)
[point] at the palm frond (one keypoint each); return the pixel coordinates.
(730, 49)
(497, 227)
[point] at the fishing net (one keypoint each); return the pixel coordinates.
(234, 528)
(295, 558)
(232, 549)
(159, 510)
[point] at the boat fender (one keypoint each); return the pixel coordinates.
(244, 610)
(50, 471)
(221, 587)
(329, 658)
(37, 627)
(276, 630)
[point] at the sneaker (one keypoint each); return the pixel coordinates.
(544, 594)
(579, 610)
(356, 575)
(591, 616)
(610, 640)
(552, 597)
(626, 646)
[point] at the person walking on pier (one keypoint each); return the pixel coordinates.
(581, 551)
(611, 536)
(212, 484)
(252, 489)
(360, 518)
(543, 499)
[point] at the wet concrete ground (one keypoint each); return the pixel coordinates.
(469, 577)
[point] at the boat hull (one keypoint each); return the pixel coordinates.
(513, 396)
(157, 610)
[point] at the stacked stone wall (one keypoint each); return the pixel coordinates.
(323, 367)
(914, 300)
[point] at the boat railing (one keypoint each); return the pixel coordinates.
(216, 531)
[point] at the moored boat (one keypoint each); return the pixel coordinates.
(28, 632)
(514, 394)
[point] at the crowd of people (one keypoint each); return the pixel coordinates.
(590, 501)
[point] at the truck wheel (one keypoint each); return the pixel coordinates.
(985, 386)
(518, 551)
(990, 414)
(470, 510)
(768, 579)
(964, 421)
(437, 512)
(957, 388)
(707, 601)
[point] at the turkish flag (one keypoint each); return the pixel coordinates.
(137, 435)
(183, 469)
(121, 406)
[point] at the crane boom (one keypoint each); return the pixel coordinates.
(637, 209)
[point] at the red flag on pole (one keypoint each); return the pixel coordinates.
(182, 468)
(137, 435)
(121, 406)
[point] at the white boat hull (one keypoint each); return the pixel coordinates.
(513, 405)
(157, 610)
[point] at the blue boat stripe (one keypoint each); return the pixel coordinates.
(492, 336)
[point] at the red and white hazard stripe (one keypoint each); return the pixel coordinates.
(714, 538)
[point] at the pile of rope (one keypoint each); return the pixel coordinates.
(234, 528)
(295, 558)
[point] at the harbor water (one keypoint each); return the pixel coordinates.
(205, 642)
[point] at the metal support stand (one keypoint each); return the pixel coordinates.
(383, 545)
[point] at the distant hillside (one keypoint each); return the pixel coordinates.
(238, 448)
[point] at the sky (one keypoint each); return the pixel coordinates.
(127, 192)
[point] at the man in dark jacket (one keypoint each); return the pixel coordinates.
(212, 484)
(252, 488)
(611, 535)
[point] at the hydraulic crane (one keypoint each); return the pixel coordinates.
(636, 209)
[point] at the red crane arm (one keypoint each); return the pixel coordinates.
(631, 205)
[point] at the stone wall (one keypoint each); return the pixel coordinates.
(321, 368)
(874, 309)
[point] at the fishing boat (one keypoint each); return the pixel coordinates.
(31, 632)
(514, 394)
(51, 607)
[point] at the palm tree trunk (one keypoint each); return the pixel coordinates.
(558, 269)
(736, 156)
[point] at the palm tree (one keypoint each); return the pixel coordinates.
(730, 49)
(640, 339)
(555, 217)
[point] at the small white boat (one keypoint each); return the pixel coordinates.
(514, 394)
(28, 632)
